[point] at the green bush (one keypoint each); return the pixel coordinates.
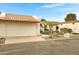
(45, 31)
(66, 30)
(70, 30)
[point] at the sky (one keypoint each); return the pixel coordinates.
(48, 11)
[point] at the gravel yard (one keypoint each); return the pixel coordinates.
(48, 47)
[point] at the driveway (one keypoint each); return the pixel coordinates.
(23, 39)
(13, 40)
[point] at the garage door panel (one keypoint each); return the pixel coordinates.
(2, 29)
(21, 29)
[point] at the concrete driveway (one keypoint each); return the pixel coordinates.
(35, 38)
(23, 39)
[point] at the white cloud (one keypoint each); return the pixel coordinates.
(52, 5)
(36, 17)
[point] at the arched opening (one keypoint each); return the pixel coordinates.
(57, 28)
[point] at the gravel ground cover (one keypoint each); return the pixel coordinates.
(48, 47)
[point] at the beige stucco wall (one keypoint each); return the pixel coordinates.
(11, 29)
(67, 25)
(74, 27)
(2, 29)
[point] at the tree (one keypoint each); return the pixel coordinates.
(50, 31)
(51, 24)
(70, 17)
(43, 19)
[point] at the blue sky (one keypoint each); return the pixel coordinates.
(49, 11)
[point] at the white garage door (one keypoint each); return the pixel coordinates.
(21, 29)
(2, 29)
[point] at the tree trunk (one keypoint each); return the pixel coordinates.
(50, 32)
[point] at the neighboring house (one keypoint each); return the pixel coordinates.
(12, 25)
(46, 25)
(72, 25)
(43, 26)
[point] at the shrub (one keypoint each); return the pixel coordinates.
(66, 30)
(70, 30)
(2, 40)
(44, 32)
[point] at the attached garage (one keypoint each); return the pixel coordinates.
(12, 25)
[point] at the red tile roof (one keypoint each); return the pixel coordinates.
(22, 18)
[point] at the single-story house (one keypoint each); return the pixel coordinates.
(13, 25)
(43, 26)
(74, 25)
(46, 25)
